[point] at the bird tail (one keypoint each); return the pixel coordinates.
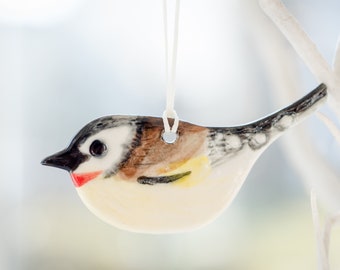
(260, 134)
(289, 116)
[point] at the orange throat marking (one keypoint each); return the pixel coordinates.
(82, 178)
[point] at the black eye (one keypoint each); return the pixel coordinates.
(97, 148)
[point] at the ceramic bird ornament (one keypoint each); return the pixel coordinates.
(128, 176)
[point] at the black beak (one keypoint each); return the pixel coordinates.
(68, 159)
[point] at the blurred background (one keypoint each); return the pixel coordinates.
(64, 63)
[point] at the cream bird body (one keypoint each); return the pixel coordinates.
(129, 177)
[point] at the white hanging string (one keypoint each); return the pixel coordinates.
(170, 132)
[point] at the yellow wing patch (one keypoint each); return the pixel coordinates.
(199, 168)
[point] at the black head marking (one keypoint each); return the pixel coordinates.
(100, 124)
(70, 158)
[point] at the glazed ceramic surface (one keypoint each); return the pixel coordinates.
(128, 176)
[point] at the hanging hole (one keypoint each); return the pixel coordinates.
(169, 137)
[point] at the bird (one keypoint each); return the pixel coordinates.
(130, 177)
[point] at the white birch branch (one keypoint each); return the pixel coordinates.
(330, 125)
(305, 47)
(309, 53)
(300, 147)
(321, 243)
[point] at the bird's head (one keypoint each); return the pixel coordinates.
(97, 149)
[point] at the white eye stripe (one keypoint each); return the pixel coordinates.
(116, 140)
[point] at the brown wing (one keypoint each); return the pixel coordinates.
(150, 156)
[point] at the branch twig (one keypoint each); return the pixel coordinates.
(305, 47)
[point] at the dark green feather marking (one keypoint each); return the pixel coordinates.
(146, 180)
